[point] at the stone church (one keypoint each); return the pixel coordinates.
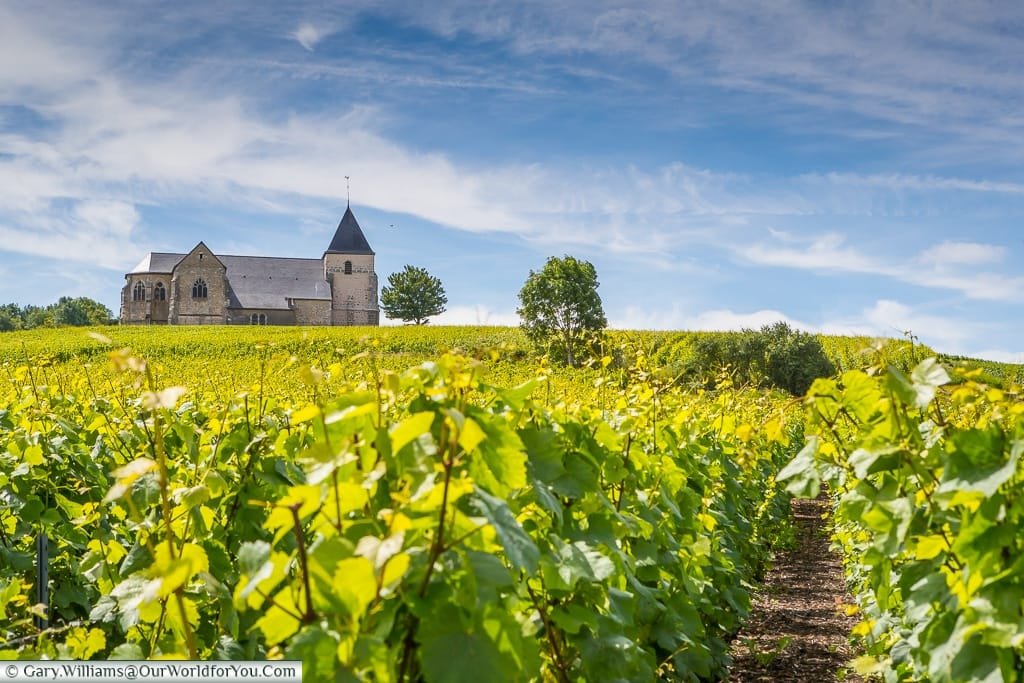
(203, 288)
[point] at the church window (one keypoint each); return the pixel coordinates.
(258, 319)
(139, 293)
(348, 267)
(159, 293)
(199, 290)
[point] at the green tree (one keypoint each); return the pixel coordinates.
(78, 312)
(34, 316)
(793, 359)
(560, 306)
(774, 356)
(412, 295)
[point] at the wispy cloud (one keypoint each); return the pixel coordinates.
(935, 73)
(962, 253)
(308, 34)
(939, 266)
(721, 319)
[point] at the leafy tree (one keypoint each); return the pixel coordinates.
(78, 312)
(413, 295)
(774, 356)
(66, 311)
(34, 316)
(560, 306)
(793, 359)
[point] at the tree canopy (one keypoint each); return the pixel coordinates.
(560, 306)
(774, 356)
(66, 311)
(413, 295)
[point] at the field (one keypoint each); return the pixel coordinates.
(400, 504)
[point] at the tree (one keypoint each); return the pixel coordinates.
(560, 306)
(35, 316)
(794, 359)
(78, 312)
(775, 356)
(412, 295)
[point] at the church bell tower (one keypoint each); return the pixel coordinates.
(348, 267)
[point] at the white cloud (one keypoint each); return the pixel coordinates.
(308, 35)
(825, 252)
(867, 63)
(466, 314)
(114, 218)
(112, 136)
(69, 241)
(829, 253)
(999, 355)
(674, 317)
(883, 318)
(892, 318)
(930, 183)
(32, 60)
(725, 320)
(476, 315)
(962, 253)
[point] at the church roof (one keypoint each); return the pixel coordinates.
(349, 238)
(157, 262)
(263, 282)
(268, 282)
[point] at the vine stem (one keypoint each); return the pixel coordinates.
(165, 503)
(300, 538)
(437, 547)
(549, 631)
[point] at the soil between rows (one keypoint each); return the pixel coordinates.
(798, 630)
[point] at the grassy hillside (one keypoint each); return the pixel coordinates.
(180, 352)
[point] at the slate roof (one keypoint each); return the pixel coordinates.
(268, 281)
(157, 262)
(349, 237)
(264, 282)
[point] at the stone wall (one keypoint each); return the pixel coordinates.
(148, 310)
(273, 316)
(187, 310)
(355, 293)
(312, 311)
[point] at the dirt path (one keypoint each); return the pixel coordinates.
(797, 632)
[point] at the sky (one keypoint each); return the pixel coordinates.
(849, 168)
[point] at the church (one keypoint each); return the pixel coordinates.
(204, 288)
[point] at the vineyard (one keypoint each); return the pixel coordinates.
(428, 504)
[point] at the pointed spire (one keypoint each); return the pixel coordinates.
(349, 238)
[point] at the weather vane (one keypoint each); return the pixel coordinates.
(348, 193)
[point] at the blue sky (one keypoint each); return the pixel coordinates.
(848, 167)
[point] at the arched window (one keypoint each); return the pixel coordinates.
(258, 319)
(139, 293)
(348, 267)
(263, 318)
(199, 290)
(159, 293)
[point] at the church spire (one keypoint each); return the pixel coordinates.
(349, 237)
